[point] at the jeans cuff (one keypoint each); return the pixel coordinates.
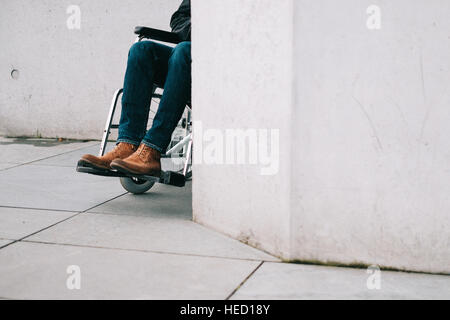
(124, 140)
(151, 145)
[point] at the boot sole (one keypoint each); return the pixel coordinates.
(87, 164)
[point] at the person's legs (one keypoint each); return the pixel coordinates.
(147, 65)
(177, 92)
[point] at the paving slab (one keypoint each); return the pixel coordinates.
(161, 201)
(18, 223)
(55, 188)
(150, 234)
(7, 165)
(4, 242)
(27, 150)
(70, 159)
(38, 271)
(294, 281)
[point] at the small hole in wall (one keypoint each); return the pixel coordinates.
(15, 74)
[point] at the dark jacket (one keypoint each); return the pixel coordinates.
(181, 21)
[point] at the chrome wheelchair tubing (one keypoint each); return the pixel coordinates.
(180, 145)
(188, 158)
(109, 120)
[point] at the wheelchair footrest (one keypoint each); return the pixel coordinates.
(99, 172)
(173, 178)
(167, 177)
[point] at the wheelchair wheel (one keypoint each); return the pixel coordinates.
(136, 186)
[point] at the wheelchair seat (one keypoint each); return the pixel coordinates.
(155, 34)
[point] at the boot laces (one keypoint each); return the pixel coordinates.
(117, 149)
(144, 152)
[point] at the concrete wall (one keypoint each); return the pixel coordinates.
(67, 77)
(372, 155)
(363, 118)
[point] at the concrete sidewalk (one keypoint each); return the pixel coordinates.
(54, 220)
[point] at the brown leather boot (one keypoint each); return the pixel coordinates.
(120, 151)
(145, 161)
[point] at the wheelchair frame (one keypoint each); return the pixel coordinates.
(185, 144)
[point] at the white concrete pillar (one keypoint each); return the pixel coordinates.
(372, 155)
(361, 99)
(242, 80)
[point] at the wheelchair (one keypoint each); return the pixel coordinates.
(180, 147)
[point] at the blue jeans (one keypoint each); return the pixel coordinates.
(149, 64)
